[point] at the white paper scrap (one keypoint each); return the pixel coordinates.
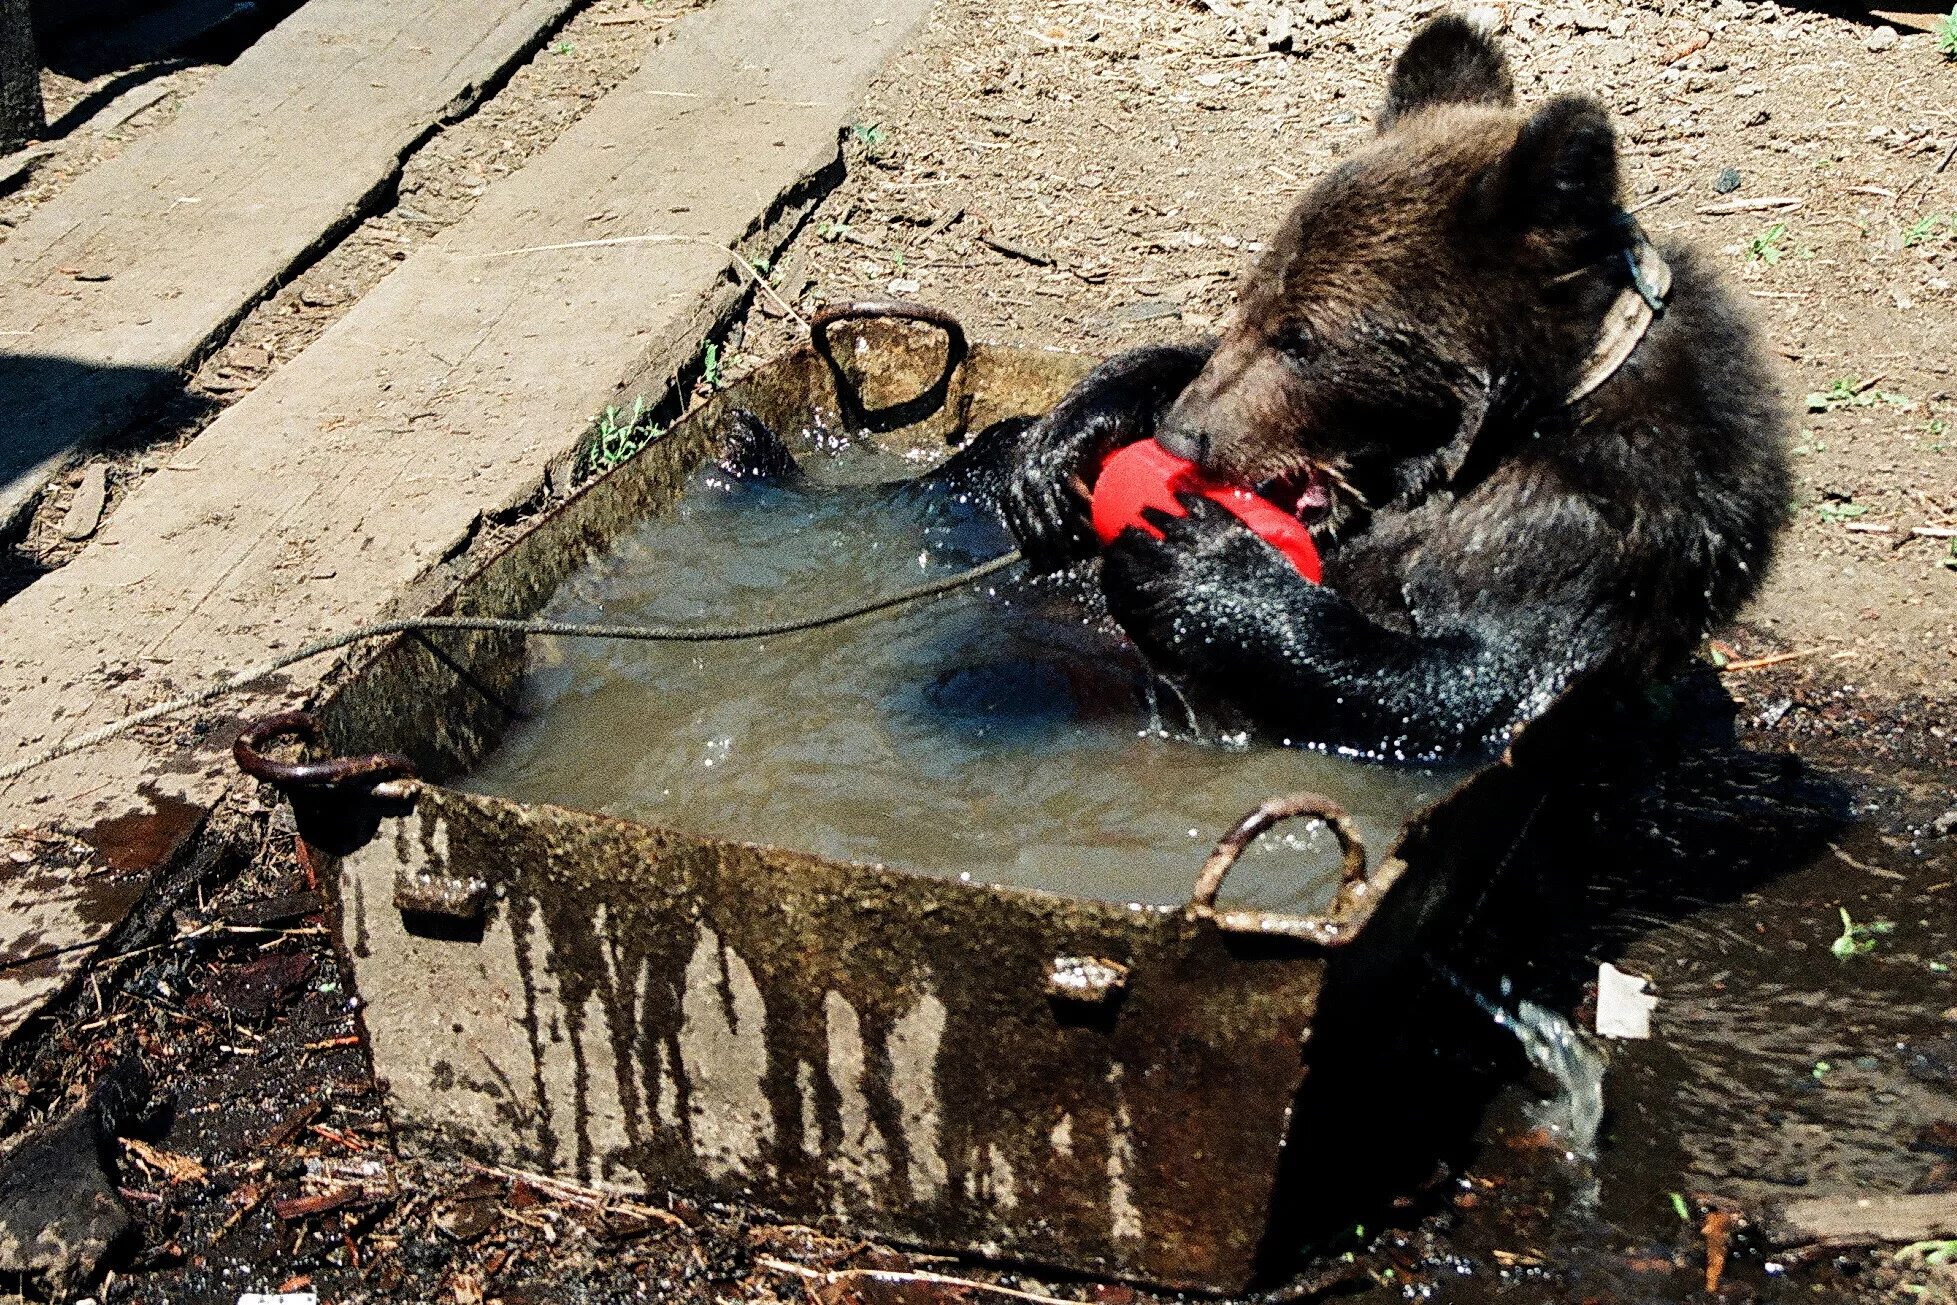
(1623, 1006)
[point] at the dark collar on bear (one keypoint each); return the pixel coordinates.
(1630, 315)
(1501, 402)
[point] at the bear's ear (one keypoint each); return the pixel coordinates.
(1561, 173)
(1449, 61)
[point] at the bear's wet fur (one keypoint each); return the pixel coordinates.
(1410, 341)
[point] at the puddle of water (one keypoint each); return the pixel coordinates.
(1776, 1068)
(1007, 733)
(1783, 1068)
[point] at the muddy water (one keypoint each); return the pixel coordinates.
(1778, 1068)
(1006, 733)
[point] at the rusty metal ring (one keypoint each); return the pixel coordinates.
(908, 412)
(1352, 871)
(829, 314)
(373, 768)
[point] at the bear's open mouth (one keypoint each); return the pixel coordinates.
(1305, 493)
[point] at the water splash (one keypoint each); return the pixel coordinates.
(1574, 1112)
(1189, 716)
(1152, 702)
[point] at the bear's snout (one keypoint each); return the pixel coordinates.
(1237, 420)
(1183, 438)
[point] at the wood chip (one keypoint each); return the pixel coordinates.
(86, 508)
(1861, 1220)
(277, 910)
(302, 1207)
(178, 1168)
(1718, 1232)
(289, 1127)
(1687, 48)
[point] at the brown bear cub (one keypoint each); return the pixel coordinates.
(1530, 444)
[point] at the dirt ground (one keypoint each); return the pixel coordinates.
(1094, 176)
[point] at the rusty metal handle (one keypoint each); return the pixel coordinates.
(897, 309)
(849, 401)
(1352, 871)
(372, 768)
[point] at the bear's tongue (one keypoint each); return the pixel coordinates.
(1305, 494)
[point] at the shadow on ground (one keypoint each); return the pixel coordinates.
(1672, 818)
(131, 44)
(58, 411)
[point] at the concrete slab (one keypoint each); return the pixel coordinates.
(119, 283)
(444, 393)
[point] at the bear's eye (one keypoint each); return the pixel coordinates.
(1296, 342)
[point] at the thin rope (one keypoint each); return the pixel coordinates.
(508, 625)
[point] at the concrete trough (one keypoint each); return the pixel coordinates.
(1013, 1074)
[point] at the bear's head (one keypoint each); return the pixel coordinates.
(1462, 261)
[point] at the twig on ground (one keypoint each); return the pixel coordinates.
(943, 223)
(901, 1275)
(327, 1044)
(1729, 207)
(1665, 198)
(1759, 663)
(338, 1137)
(577, 1193)
(252, 1195)
(1039, 258)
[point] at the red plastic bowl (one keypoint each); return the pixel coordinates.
(1146, 475)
